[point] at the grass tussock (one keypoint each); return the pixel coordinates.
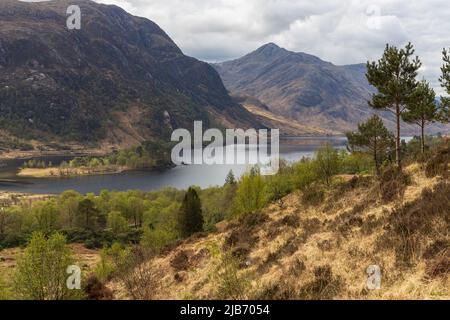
(438, 162)
(392, 183)
(411, 226)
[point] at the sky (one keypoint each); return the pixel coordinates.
(338, 31)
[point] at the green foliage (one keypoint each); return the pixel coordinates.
(305, 174)
(5, 291)
(232, 283)
(117, 223)
(36, 164)
(190, 217)
(154, 240)
(216, 204)
(279, 185)
(422, 108)
(111, 258)
(148, 155)
(327, 163)
(230, 179)
(394, 76)
(445, 83)
(250, 194)
(46, 216)
(41, 271)
(373, 138)
(88, 216)
(356, 162)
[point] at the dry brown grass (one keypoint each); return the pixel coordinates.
(323, 251)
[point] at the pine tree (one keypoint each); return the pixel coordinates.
(372, 136)
(394, 76)
(422, 109)
(230, 180)
(190, 216)
(444, 115)
(88, 215)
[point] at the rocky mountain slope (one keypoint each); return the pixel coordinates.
(117, 81)
(303, 87)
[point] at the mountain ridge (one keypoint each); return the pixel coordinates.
(118, 80)
(305, 88)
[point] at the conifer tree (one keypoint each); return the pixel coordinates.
(444, 114)
(394, 76)
(372, 137)
(422, 109)
(190, 216)
(230, 180)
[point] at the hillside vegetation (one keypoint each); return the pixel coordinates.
(302, 251)
(309, 232)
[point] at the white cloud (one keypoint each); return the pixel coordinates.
(342, 32)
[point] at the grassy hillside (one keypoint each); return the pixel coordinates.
(308, 249)
(309, 232)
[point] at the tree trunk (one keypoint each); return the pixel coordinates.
(375, 157)
(397, 138)
(423, 137)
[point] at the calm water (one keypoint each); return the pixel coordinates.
(179, 177)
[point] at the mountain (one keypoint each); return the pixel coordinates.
(117, 81)
(303, 87)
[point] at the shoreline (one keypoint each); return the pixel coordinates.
(25, 155)
(57, 172)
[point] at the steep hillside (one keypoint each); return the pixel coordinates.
(321, 251)
(117, 81)
(286, 126)
(303, 87)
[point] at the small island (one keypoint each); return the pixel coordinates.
(147, 156)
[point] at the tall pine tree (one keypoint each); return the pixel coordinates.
(190, 216)
(445, 83)
(394, 76)
(422, 109)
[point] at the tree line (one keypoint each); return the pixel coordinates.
(394, 76)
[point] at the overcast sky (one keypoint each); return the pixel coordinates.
(339, 31)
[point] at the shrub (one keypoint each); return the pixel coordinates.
(41, 271)
(96, 290)
(411, 225)
(325, 286)
(327, 163)
(138, 278)
(231, 283)
(304, 174)
(250, 194)
(313, 195)
(392, 183)
(438, 162)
